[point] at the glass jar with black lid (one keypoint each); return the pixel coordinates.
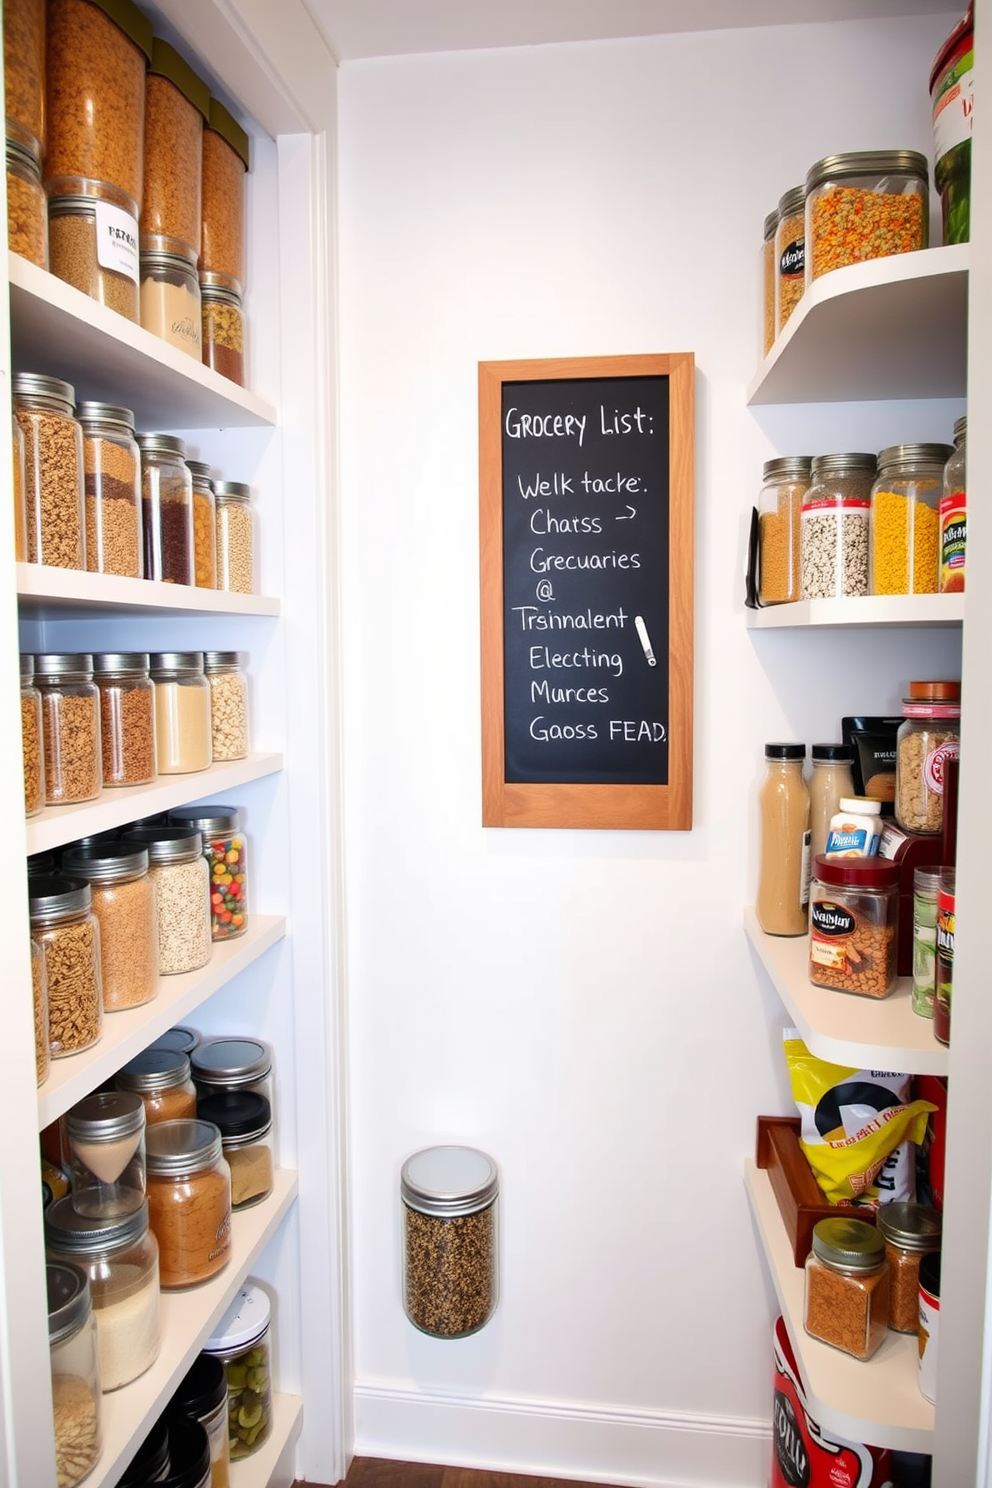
(244, 1120)
(238, 1064)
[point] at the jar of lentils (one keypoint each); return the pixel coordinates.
(27, 209)
(927, 739)
(166, 509)
(123, 899)
(64, 926)
(112, 471)
(31, 736)
(204, 525)
(53, 446)
(182, 888)
(780, 508)
(450, 1240)
(905, 519)
(70, 712)
(162, 1078)
(865, 204)
(182, 712)
(228, 703)
(235, 537)
(127, 717)
(836, 518)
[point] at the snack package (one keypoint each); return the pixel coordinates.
(858, 1127)
(872, 741)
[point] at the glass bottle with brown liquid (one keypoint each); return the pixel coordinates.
(784, 860)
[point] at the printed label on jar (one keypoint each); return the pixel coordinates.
(792, 260)
(830, 925)
(116, 241)
(954, 107)
(836, 503)
(933, 766)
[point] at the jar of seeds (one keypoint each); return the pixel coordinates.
(64, 926)
(450, 1240)
(223, 328)
(53, 445)
(70, 713)
(790, 255)
(177, 101)
(847, 1287)
(127, 717)
(179, 872)
(228, 703)
(75, 1366)
(93, 245)
(112, 470)
(27, 209)
(926, 740)
(204, 525)
(31, 735)
(780, 508)
(123, 898)
(166, 509)
(225, 162)
(836, 519)
(235, 537)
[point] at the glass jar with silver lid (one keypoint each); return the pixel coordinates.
(127, 717)
(53, 456)
(170, 299)
(31, 740)
(189, 1201)
(166, 509)
(238, 1064)
(75, 1366)
(70, 713)
(450, 1199)
(228, 703)
(123, 899)
(112, 480)
(835, 527)
(182, 712)
(204, 525)
(226, 853)
(106, 1132)
(865, 204)
(182, 890)
(235, 537)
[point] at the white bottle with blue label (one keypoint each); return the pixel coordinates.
(855, 829)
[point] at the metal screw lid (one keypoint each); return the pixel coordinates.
(68, 1299)
(181, 1146)
(449, 1181)
(212, 821)
(792, 202)
(166, 260)
(910, 1226)
(844, 464)
(236, 490)
(233, 1061)
(771, 223)
(849, 1243)
(37, 385)
(27, 666)
(51, 896)
(152, 1070)
(176, 661)
(961, 428)
(223, 659)
(66, 1230)
(868, 163)
(19, 152)
(788, 465)
(105, 413)
(224, 293)
(161, 444)
(129, 662)
(913, 454)
(200, 468)
(108, 862)
(106, 1115)
(64, 664)
(167, 844)
(179, 1038)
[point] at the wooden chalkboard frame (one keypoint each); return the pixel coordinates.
(581, 805)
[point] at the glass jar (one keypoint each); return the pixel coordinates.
(233, 1064)
(226, 853)
(150, 1464)
(182, 890)
(953, 513)
(31, 736)
(177, 101)
(127, 717)
(75, 1365)
(854, 904)
(847, 1287)
(112, 478)
(836, 519)
(53, 445)
(223, 329)
(120, 1258)
(228, 703)
(20, 492)
(189, 1201)
(93, 245)
(123, 897)
(179, 1039)
(926, 884)
(162, 1078)
(244, 1121)
(450, 1199)
(39, 990)
(27, 209)
(831, 780)
(945, 956)
(865, 204)
(182, 712)
(952, 99)
(927, 738)
(909, 1232)
(780, 507)
(905, 549)
(106, 1134)
(235, 538)
(768, 273)
(170, 299)
(70, 715)
(790, 255)
(97, 56)
(202, 1395)
(24, 70)
(204, 525)
(225, 161)
(783, 863)
(167, 509)
(241, 1343)
(189, 1452)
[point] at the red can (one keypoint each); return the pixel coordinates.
(802, 1456)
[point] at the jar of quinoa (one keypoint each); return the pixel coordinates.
(225, 162)
(53, 444)
(177, 101)
(235, 537)
(865, 204)
(182, 880)
(112, 480)
(27, 209)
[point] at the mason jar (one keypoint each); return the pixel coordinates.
(233, 1064)
(225, 851)
(790, 255)
(70, 714)
(910, 1231)
(905, 519)
(27, 209)
(235, 537)
(93, 243)
(228, 703)
(127, 717)
(179, 1039)
(182, 712)
(780, 506)
(120, 1258)
(162, 1078)
(166, 509)
(31, 740)
(223, 319)
(123, 898)
(66, 929)
(241, 1343)
(954, 513)
(53, 456)
(928, 737)
(112, 477)
(182, 891)
(106, 1132)
(170, 299)
(865, 204)
(847, 1287)
(202, 1395)
(244, 1121)
(204, 525)
(450, 1199)
(189, 1201)
(836, 520)
(768, 276)
(75, 1365)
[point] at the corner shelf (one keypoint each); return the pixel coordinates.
(875, 610)
(68, 594)
(864, 1032)
(890, 328)
(877, 1400)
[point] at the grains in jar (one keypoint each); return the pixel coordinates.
(167, 509)
(123, 898)
(228, 703)
(927, 739)
(865, 204)
(768, 281)
(70, 713)
(20, 492)
(905, 501)
(780, 507)
(189, 1201)
(24, 70)
(847, 1287)
(31, 735)
(93, 245)
(225, 161)
(790, 255)
(852, 924)
(450, 1255)
(53, 445)
(204, 525)
(27, 209)
(75, 1366)
(181, 879)
(162, 1078)
(244, 1121)
(39, 990)
(836, 518)
(112, 485)
(235, 537)
(177, 101)
(223, 329)
(127, 717)
(64, 926)
(182, 712)
(910, 1231)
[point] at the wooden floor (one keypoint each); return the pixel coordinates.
(370, 1472)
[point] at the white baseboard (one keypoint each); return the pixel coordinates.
(635, 1449)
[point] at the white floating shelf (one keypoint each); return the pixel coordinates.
(891, 328)
(876, 610)
(864, 1032)
(876, 1400)
(126, 1033)
(57, 825)
(68, 594)
(287, 1421)
(188, 1317)
(57, 330)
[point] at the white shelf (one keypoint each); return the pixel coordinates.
(877, 1400)
(57, 330)
(287, 1421)
(863, 1032)
(876, 610)
(112, 808)
(67, 594)
(126, 1033)
(188, 1318)
(891, 328)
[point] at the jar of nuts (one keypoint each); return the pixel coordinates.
(836, 519)
(853, 904)
(228, 703)
(64, 926)
(31, 736)
(927, 738)
(127, 717)
(27, 209)
(70, 713)
(112, 469)
(235, 537)
(204, 525)
(53, 444)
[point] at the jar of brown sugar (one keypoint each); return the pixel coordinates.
(926, 740)
(223, 319)
(24, 71)
(31, 735)
(127, 717)
(162, 1078)
(910, 1231)
(53, 444)
(204, 525)
(245, 1124)
(235, 537)
(112, 484)
(167, 509)
(854, 903)
(170, 299)
(182, 712)
(27, 209)
(177, 101)
(847, 1287)
(93, 245)
(70, 712)
(189, 1201)
(225, 162)
(64, 926)
(123, 898)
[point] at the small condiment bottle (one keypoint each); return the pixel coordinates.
(244, 1121)
(783, 870)
(242, 1345)
(162, 1078)
(909, 1231)
(75, 1365)
(202, 1395)
(189, 1201)
(855, 828)
(106, 1132)
(927, 739)
(926, 885)
(945, 956)
(830, 781)
(846, 1300)
(929, 1323)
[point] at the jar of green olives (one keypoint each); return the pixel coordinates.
(242, 1345)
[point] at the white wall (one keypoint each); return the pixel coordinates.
(582, 1005)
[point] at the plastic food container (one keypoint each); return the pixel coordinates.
(31, 736)
(204, 525)
(202, 1395)
(70, 712)
(865, 204)
(228, 703)
(223, 329)
(182, 712)
(235, 537)
(245, 1124)
(450, 1240)
(233, 1064)
(162, 1078)
(123, 898)
(226, 853)
(127, 717)
(106, 1134)
(167, 510)
(910, 1231)
(170, 299)
(181, 879)
(93, 245)
(189, 1201)
(75, 1365)
(177, 101)
(847, 1287)
(27, 208)
(53, 452)
(836, 522)
(112, 484)
(952, 97)
(241, 1343)
(790, 255)
(225, 162)
(780, 506)
(905, 520)
(24, 71)
(855, 828)
(927, 739)
(852, 925)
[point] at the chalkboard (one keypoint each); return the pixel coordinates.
(586, 588)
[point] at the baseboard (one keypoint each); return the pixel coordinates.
(633, 1449)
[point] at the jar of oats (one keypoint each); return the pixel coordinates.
(27, 209)
(927, 738)
(70, 714)
(226, 853)
(225, 163)
(177, 101)
(780, 508)
(223, 328)
(75, 1365)
(65, 927)
(112, 486)
(204, 525)
(93, 245)
(179, 872)
(228, 703)
(127, 717)
(450, 1199)
(235, 537)
(123, 898)
(53, 453)
(166, 509)
(31, 736)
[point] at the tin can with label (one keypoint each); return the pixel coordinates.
(945, 957)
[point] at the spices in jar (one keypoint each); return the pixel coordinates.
(926, 884)
(93, 245)
(927, 739)
(189, 1201)
(768, 271)
(952, 98)
(170, 299)
(836, 519)
(127, 717)
(53, 446)
(31, 735)
(226, 854)
(223, 329)
(24, 70)
(241, 1343)
(790, 255)
(244, 1121)
(929, 1323)
(202, 1395)
(233, 1064)
(39, 992)
(865, 204)
(70, 713)
(177, 101)
(75, 1366)
(225, 161)
(106, 1133)
(228, 703)
(910, 1231)
(204, 526)
(780, 505)
(830, 782)
(944, 972)
(123, 898)
(181, 880)
(905, 555)
(182, 712)
(235, 537)
(20, 492)
(783, 865)
(450, 1199)
(27, 209)
(855, 828)
(847, 1287)
(166, 509)
(162, 1078)
(953, 513)
(112, 485)
(852, 925)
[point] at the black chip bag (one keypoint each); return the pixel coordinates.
(872, 742)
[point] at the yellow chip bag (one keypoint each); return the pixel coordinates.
(857, 1127)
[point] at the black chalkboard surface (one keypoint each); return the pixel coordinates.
(591, 517)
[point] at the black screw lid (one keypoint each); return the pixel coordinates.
(785, 751)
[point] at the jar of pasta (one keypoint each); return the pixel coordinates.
(865, 204)
(75, 1365)
(127, 717)
(204, 525)
(31, 736)
(177, 101)
(166, 509)
(235, 537)
(93, 245)
(189, 1201)
(162, 1078)
(228, 703)
(223, 328)
(181, 878)
(123, 898)
(905, 521)
(780, 506)
(53, 445)
(70, 714)
(182, 712)
(20, 492)
(112, 475)
(927, 738)
(27, 209)
(225, 162)
(225, 850)
(244, 1121)
(39, 991)
(241, 1343)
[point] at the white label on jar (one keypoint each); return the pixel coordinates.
(116, 240)
(953, 113)
(933, 765)
(804, 869)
